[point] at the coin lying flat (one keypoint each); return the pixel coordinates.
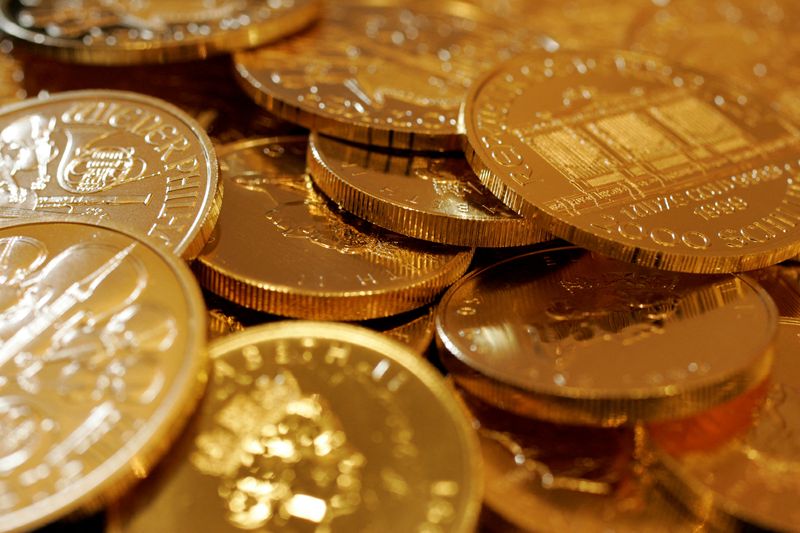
(150, 31)
(639, 160)
(570, 336)
(112, 157)
(102, 357)
(312, 426)
(280, 248)
(432, 197)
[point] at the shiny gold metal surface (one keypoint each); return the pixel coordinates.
(150, 31)
(279, 247)
(311, 426)
(102, 358)
(417, 334)
(111, 157)
(432, 197)
(221, 323)
(638, 159)
(570, 336)
(12, 77)
(381, 72)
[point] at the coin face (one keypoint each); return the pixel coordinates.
(380, 72)
(102, 357)
(642, 161)
(315, 427)
(279, 247)
(569, 336)
(110, 157)
(150, 31)
(432, 197)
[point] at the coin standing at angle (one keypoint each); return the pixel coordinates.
(102, 357)
(279, 247)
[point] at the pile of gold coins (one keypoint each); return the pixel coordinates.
(384, 265)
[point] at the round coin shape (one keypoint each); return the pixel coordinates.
(432, 197)
(149, 31)
(637, 159)
(102, 358)
(311, 426)
(111, 157)
(279, 247)
(570, 336)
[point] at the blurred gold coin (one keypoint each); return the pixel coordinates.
(102, 358)
(417, 333)
(280, 248)
(312, 426)
(639, 160)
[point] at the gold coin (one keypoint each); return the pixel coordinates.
(12, 76)
(280, 248)
(570, 336)
(149, 31)
(221, 323)
(312, 426)
(110, 157)
(102, 351)
(380, 72)
(417, 333)
(432, 197)
(639, 160)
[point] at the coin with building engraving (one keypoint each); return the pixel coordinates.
(150, 31)
(640, 160)
(110, 157)
(313, 426)
(570, 336)
(280, 247)
(432, 197)
(102, 358)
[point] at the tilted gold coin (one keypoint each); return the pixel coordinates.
(416, 333)
(102, 358)
(380, 72)
(570, 336)
(432, 197)
(150, 31)
(112, 157)
(312, 426)
(638, 159)
(280, 248)
(221, 323)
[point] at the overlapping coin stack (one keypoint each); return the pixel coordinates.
(231, 230)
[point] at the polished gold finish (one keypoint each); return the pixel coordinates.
(313, 426)
(102, 358)
(570, 336)
(417, 334)
(12, 77)
(280, 248)
(637, 159)
(432, 197)
(110, 157)
(221, 324)
(150, 31)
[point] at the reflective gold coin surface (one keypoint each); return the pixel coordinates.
(12, 76)
(280, 248)
(102, 358)
(639, 160)
(112, 157)
(221, 323)
(312, 426)
(417, 333)
(380, 72)
(150, 31)
(570, 336)
(432, 197)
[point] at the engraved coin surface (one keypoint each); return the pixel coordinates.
(315, 427)
(102, 357)
(111, 157)
(279, 247)
(639, 160)
(570, 336)
(150, 31)
(432, 197)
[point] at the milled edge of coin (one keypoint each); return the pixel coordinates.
(595, 407)
(134, 53)
(428, 226)
(106, 487)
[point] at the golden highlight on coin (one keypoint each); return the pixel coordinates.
(311, 426)
(637, 159)
(102, 358)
